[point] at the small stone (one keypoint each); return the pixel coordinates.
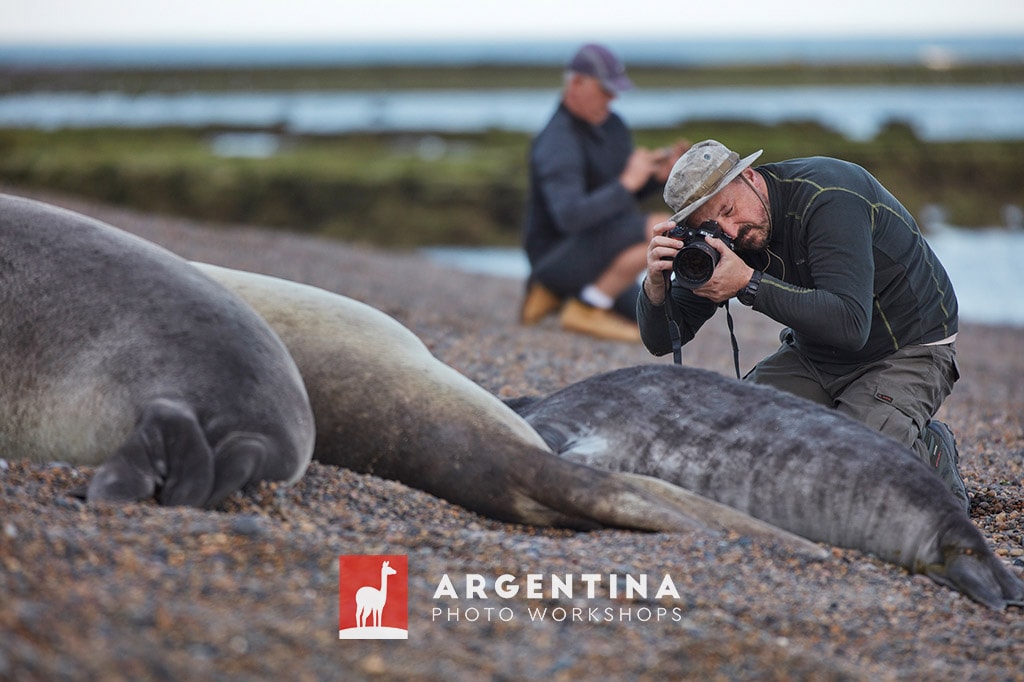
(373, 665)
(249, 525)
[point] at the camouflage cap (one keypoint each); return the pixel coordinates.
(700, 173)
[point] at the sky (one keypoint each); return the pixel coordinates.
(281, 21)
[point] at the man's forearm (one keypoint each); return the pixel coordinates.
(654, 326)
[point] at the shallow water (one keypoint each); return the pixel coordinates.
(935, 113)
(983, 265)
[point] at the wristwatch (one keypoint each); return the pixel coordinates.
(747, 293)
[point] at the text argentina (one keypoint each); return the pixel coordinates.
(566, 586)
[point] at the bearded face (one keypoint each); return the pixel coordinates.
(753, 236)
(742, 214)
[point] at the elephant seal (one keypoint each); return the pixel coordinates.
(384, 405)
(780, 458)
(117, 353)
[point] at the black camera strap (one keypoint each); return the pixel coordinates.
(732, 337)
(677, 337)
(673, 327)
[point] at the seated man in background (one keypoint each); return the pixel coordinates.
(586, 236)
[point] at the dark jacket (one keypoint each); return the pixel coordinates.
(847, 269)
(574, 182)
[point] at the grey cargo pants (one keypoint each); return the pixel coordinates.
(896, 395)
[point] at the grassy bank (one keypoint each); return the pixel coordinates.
(447, 189)
(136, 80)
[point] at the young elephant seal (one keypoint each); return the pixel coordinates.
(782, 459)
(384, 405)
(117, 353)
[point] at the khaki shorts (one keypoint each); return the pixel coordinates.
(896, 395)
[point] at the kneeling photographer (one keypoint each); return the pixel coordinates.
(818, 245)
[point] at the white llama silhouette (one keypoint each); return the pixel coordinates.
(371, 600)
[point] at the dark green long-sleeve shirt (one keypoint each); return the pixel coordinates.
(847, 269)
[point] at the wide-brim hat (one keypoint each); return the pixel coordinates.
(700, 173)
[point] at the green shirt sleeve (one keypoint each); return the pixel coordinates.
(688, 310)
(837, 252)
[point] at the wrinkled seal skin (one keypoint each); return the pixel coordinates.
(384, 405)
(789, 462)
(116, 353)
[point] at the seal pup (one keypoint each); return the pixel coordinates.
(384, 405)
(115, 352)
(794, 464)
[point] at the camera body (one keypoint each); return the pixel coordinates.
(694, 264)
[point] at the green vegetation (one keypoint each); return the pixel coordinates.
(135, 80)
(410, 190)
(377, 189)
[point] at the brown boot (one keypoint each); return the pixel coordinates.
(538, 303)
(604, 324)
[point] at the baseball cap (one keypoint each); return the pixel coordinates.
(598, 61)
(700, 173)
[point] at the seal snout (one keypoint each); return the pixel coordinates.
(970, 567)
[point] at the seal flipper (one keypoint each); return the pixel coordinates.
(166, 454)
(722, 518)
(120, 480)
(556, 492)
(633, 501)
(238, 461)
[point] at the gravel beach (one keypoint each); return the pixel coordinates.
(250, 590)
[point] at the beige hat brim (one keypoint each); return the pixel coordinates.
(742, 165)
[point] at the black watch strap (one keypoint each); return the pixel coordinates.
(749, 292)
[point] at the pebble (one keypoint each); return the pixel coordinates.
(249, 525)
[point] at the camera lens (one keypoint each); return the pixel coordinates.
(694, 264)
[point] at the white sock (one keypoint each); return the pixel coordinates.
(595, 297)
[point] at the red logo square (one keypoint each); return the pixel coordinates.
(373, 596)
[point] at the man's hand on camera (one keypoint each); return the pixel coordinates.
(660, 253)
(731, 274)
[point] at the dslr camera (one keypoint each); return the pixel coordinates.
(694, 264)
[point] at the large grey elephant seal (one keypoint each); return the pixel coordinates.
(384, 405)
(114, 352)
(787, 461)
